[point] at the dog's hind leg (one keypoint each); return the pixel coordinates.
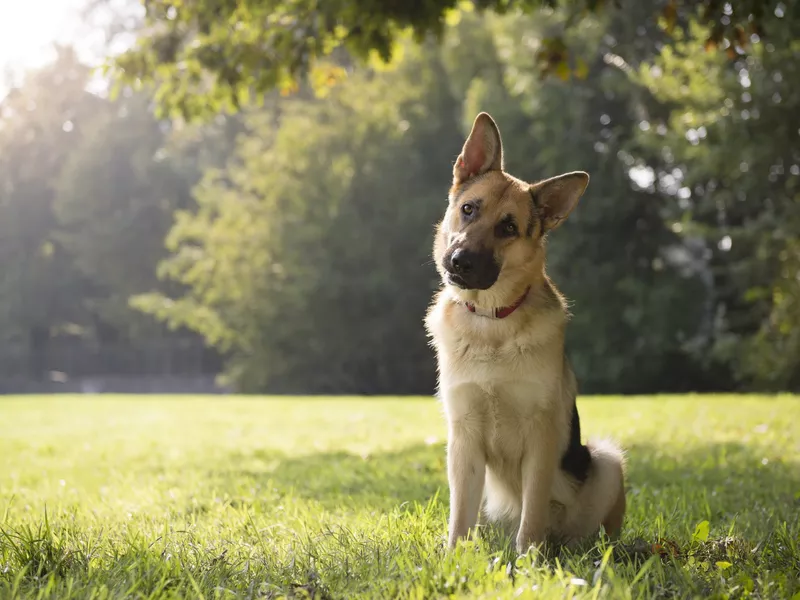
(601, 498)
(612, 522)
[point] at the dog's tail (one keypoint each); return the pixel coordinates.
(601, 498)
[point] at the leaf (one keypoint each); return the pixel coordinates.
(396, 55)
(324, 76)
(722, 565)
(670, 15)
(452, 17)
(289, 87)
(741, 37)
(562, 70)
(581, 68)
(700, 532)
(665, 548)
(747, 583)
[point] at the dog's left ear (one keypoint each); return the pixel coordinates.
(557, 196)
(482, 152)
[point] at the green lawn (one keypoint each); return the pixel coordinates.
(215, 497)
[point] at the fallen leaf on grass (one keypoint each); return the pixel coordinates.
(701, 531)
(666, 548)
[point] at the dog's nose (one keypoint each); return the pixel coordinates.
(462, 262)
(472, 270)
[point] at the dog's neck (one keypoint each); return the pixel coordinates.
(498, 313)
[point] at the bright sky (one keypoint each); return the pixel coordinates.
(28, 29)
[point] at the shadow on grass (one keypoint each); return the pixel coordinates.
(340, 479)
(718, 482)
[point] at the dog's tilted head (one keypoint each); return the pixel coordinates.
(488, 246)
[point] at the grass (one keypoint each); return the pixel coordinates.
(167, 497)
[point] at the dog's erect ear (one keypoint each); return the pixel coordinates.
(483, 150)
(557, 196)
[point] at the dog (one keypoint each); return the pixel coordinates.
(514, 451)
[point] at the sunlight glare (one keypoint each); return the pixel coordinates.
(29, 28)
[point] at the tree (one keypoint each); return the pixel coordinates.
(115, 202)
(40, 122)
(305, 254)
(212, 54)
(732, 173)
(88, 188)
(308, 260)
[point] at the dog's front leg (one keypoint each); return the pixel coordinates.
(539, 465)
(466, 468)
(466, 460)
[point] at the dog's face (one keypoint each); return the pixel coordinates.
(489, 242)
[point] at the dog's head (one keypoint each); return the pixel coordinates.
(489, 244)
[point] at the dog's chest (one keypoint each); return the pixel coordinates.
(486, 351)
(490, 365)
(505, 420)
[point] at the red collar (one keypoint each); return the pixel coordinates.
(499, 313)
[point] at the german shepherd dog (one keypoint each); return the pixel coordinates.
(514, 451)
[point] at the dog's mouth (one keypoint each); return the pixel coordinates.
(455, 280)
(470, 283)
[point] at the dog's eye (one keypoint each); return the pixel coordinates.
(467, 209)
(507, 228)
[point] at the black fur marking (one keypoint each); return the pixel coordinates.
(534, 210)
(529, 230)
(500, 230)
(576, 459)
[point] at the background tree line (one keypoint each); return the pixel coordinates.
(292, 234)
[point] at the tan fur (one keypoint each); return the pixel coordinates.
(507, 388)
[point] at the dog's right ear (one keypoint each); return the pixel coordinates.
(482, 152)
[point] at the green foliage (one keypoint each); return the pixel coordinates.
(37, 131)
(211, 55)
(115, 202)
(733, 172)
(169, 497)
(306, 259)
(306, 255)
(87, 193)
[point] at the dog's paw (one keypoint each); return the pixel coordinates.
(529, 543)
